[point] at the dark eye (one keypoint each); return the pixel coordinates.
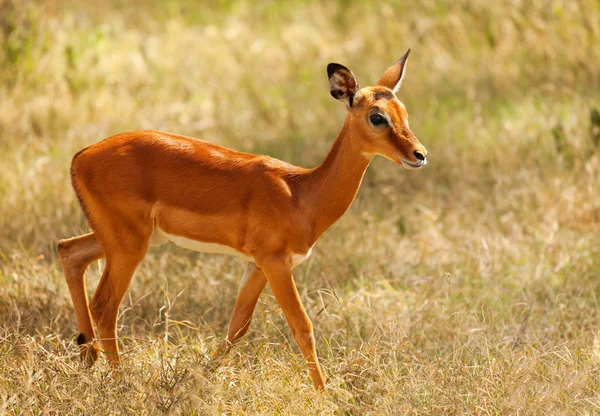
(377, 120)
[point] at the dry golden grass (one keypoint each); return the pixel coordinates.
(469, 287)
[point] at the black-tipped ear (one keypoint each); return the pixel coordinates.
(393, 76)
(343, 85)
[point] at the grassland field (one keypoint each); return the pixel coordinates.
(469, 287)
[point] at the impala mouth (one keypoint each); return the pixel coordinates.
(413, 165)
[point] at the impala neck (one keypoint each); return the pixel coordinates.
(334, 183)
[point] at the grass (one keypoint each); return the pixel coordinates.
(469, 287)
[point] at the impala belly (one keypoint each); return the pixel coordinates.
(160, 237)
(203, 247)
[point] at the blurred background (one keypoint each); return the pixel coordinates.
(477, 277)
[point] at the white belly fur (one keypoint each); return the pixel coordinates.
(160, 237)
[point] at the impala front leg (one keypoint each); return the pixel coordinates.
(251, 287)
(279, 276)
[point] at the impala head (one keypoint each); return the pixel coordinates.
(379, 119)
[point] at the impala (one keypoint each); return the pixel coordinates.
(145, 188)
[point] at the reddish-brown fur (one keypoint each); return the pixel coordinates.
(262, 207)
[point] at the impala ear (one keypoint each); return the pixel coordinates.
(393, 76)
(343, 85)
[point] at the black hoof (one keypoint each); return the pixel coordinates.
(81, 339)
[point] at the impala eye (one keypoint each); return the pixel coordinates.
(377, 120)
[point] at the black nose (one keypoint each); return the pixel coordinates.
(419, 155)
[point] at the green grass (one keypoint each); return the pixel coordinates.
(468, 287)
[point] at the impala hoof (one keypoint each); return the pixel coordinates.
(88, 350)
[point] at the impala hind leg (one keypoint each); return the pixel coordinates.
(251, 287)
(120, 266)
(76, 254)
(279, 276)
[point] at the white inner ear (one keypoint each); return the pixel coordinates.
(338, 76)
(338, 81)
(397, 87)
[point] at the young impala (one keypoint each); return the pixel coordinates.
(145, 188)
